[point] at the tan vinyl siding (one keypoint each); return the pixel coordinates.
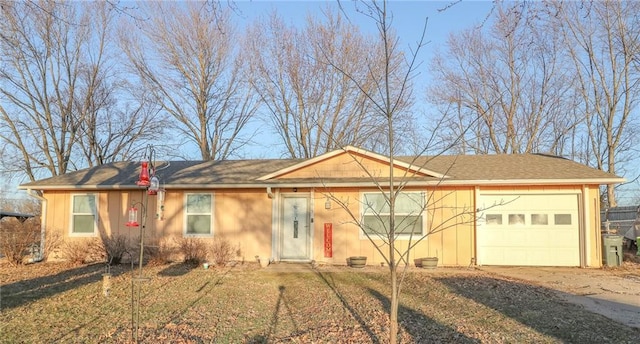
(595, 239)
(345, 166)
(244, 218)
(453, 244)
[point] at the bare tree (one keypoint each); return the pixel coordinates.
(603, 41)
(117, 130)
(508, 82)
(530, 89)
(310, 105)
(390, 214)
(185, 57)
(55, 78)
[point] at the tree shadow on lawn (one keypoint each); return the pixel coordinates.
(281, 302)
(332, 285)
(26, 291)
(178, 270)
(539, 308)
(421, 328)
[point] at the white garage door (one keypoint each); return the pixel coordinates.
(538, 230)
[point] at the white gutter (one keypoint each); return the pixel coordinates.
(43, 217)
(367, 183)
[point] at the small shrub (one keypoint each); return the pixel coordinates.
(79, 252)
(155, 252)
(114, 248)
(193, 250)
(16, 238)
(222, 251)
(52, 241)
(159, 254)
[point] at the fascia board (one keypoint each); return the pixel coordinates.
(301, 164)
(351, 149)
(319, 183)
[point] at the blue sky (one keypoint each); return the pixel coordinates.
(408, 20)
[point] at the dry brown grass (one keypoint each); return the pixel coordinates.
(246, 304)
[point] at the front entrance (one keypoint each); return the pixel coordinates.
(295, 236)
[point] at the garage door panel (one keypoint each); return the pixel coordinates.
(497, 238)
(565, 236)
(552, 202)
(536, 238)
(516, 237)
(530, 229)
(514, 256)
(492, 254)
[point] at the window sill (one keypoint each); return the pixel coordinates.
(186, 235)
(83, 235)
(398, 237)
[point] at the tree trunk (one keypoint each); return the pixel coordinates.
(393, 312)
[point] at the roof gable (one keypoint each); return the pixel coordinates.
(349, 162)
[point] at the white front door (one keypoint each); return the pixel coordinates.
(295, 239)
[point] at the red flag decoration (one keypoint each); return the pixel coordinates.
(328, 240)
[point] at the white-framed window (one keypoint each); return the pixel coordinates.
(198, 214)
(84, 210)
(409, 214)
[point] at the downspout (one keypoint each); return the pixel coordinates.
(43, 216)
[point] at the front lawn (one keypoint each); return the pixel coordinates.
(44, 303)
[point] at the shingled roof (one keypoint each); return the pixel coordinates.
(498, 167)
(123, 175)
(505, 169)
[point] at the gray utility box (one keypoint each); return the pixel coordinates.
(612, 250)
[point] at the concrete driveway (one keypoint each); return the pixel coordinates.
(613, 292)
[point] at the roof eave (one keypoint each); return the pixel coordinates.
(320, 183)
(578, 181)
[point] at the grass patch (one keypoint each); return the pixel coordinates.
(245, 304)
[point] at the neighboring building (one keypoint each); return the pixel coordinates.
(623, 221)
(497, 209)
(22, 217)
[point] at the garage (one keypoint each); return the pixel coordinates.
(528, 229)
